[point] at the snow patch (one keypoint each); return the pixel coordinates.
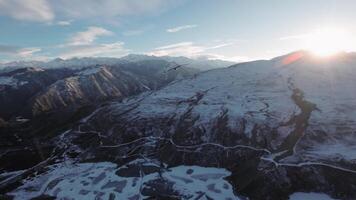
(89, 71)
(11, 81)
(101, 180)
(309, 196)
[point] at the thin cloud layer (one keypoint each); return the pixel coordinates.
(88, 36)
(180, 28)
(96, 50)
(64, 23)
(18, 52)
(188, 49)
(53, 16)
(109, 8)
(27, 10)
(83, 44)
(47, 11)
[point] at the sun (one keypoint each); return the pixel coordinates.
(328, 41)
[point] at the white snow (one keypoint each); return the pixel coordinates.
(89, 71)
(6, 80)
(336, 150)
(248, 91)
(309, 196)
(11, 81)
(260, 92)
(91, 180)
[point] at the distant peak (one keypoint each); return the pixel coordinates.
(58, 60)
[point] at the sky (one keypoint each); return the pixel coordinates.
(235, 30)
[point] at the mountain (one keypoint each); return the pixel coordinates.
(265, 129)
(202, 63)
(32, 91)
(78, 63)
(97, 84)
(19, 64)
(18, 86)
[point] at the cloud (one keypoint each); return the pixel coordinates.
(64, 23)
(106, 50)
(227, 58)
(47, 10)
(178, 49)
(192, 50)
(295, 37)
(82, 44)
(28, 52)
(187, 49)
(18, 52)
(180, 28)
(88, 36)
(27, 10)
(110, 8)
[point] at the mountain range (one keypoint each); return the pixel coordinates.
(140, 129)
(29, 88)
(199, 63)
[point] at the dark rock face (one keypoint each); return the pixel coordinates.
(2, 123)
(27, 82)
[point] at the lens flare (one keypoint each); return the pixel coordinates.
(328, 41)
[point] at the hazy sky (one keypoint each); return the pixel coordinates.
(227, 29)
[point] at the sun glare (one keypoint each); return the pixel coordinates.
(329, 41)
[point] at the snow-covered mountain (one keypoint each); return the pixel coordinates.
(201, 64)
(272, 128)
(97, 84)
(32, 91)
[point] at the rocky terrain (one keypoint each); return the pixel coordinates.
(97, 84)
(32, 91)
(18, 86)
(270, 129)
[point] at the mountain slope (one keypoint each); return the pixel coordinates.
(97, 84)
(277, 126)
(18, 86)
(32, 91)
(282, 113)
